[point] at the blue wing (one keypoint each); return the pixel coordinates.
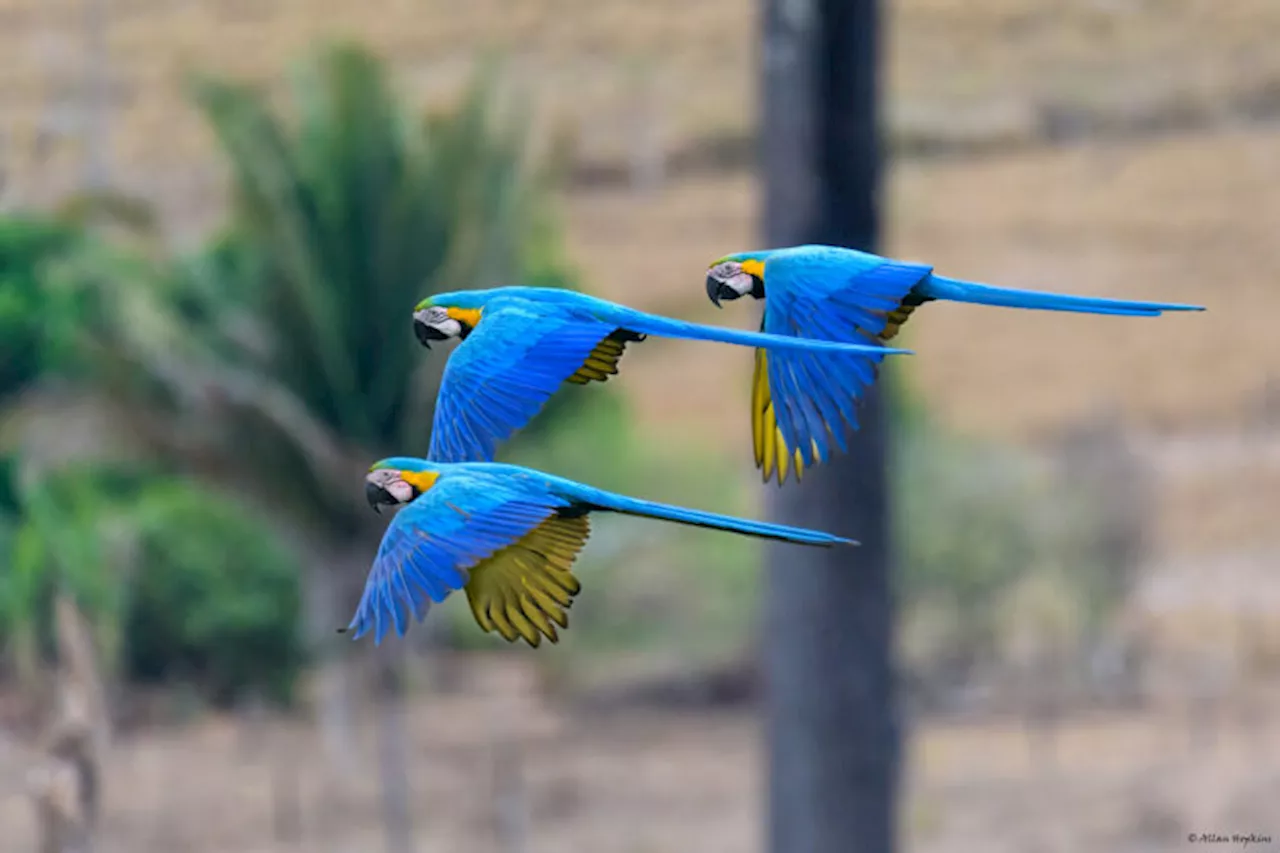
(802, 402)
(848, 290)
(507, 369)
(433, 543)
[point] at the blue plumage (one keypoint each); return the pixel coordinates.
(871, 283)
(800, 403)
(508, 535)
(525, 342)
(940, 287)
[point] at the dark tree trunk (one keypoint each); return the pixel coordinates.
(393, 749)
(833, 730)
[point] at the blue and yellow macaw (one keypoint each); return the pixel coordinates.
(834, 294)
(508, 535)
(521, 343)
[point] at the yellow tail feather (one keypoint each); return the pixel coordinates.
(770, 447)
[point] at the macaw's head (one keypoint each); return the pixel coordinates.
(397, 481)
(735, 276)
(445, 316)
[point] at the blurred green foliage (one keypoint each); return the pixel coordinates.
(178, 582)
(41, 324)
(349, 215)
(60, 542)
(36, 319)
(283, 346)
(275, 360)
(215, 598)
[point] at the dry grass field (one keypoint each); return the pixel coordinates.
(660, 74)
(605, 65)
(491, 755)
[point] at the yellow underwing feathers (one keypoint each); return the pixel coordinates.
(524, 590)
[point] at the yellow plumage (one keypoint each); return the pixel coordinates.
(420, 480)
(895, 319)
(602, 363)
(469, 317)
(770, 447)
(527, 586)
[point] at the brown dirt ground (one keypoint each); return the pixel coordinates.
(644, 781)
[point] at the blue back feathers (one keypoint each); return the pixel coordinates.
(477, 510)
(530, 340)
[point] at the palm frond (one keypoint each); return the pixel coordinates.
(289, 335)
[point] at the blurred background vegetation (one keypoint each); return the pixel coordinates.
(205, 341)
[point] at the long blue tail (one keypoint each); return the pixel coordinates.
(762, 529)
(652, 324)
(940, 287)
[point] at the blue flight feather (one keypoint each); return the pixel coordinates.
(475, 510)
(530, 340)
(828, 293)
(813, 305)
(939, 287)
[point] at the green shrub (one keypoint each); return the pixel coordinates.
(34, 319)
(60, 540)
(178, 583)
(215, 601)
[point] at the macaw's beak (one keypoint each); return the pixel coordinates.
(376, 495)
(717, 290)
(426, 333)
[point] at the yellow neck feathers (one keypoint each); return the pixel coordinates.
(755, 268)
(469, 317)
(420, 480)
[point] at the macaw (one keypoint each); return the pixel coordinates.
(521, 343)
(835, 294)
(506, 534)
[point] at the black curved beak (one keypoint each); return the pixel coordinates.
(426, 334)
(716, 290)
(376, 495)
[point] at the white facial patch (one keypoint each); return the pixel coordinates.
(725, 270)
(742, 283)
(448, 327)
(400, 490)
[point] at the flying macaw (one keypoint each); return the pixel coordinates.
(835, 294)
(521, 343)
(508, 535)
